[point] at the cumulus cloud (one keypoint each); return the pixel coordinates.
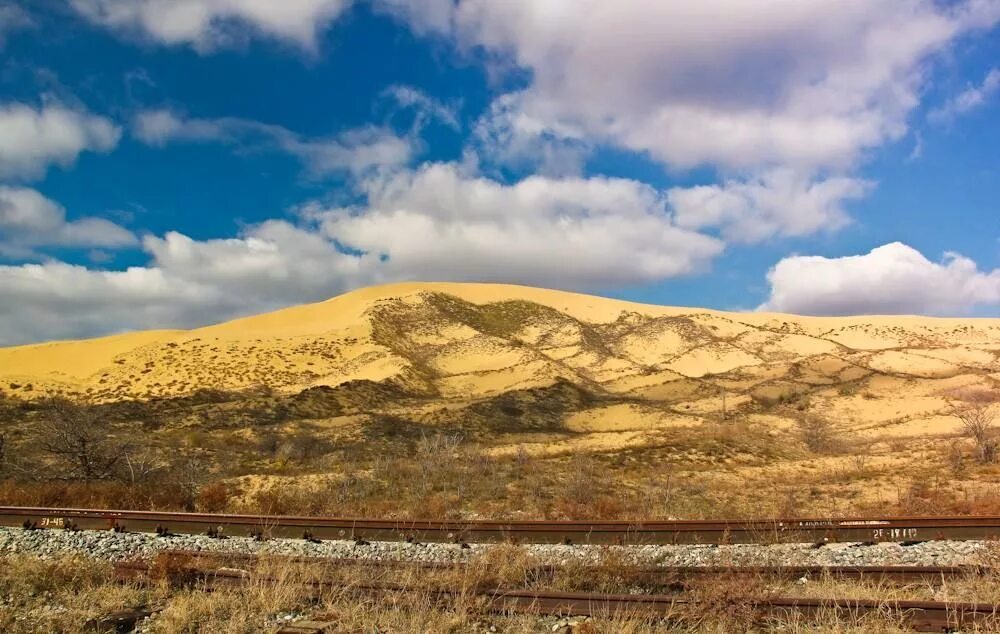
(423, 16)
(779, 202)
(969, 99)
(161, 126)
(434, 223)
(755, 90)
(783, 101)
(186, 283)
(977, 14)
(33, 139)
(29, 220)
(726, 82)
(437, 223)
(357, 151)
(800, 88)
(891, 279)
(211, 24)
(510, 137)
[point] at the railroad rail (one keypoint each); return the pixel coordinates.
(920, 616)
(812, 530)
(664, 576)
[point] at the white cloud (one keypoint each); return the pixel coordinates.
(969, 99)
(779, 202)
(187, 283)
(749, 85)
(783, 98)
(978, 14)
(211, 24)
(798, 83)
(891, 279)
(357, 151)
(436, 223)
(12, 18)
(29, 220)
(31, 140)
(426, 106)
(159, 127)
(423, 16)
(918, 148)
(509, 136)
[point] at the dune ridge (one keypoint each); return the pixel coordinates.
(476, 340)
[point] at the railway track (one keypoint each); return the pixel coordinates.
(920, 616)
(663, 576)
(812, 530)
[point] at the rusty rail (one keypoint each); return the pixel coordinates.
(815, 530)
(666, 576)
(920, 616)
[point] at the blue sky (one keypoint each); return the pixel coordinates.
(175, 163)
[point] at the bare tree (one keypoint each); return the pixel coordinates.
(301, 446)
(188, 474)
(819, 434)
(956, 458)
(80, 442)
(974, 410)
(435, 456)
(139, 466)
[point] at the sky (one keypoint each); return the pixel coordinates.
(175, 163)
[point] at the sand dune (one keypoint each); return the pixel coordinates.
(464, 342)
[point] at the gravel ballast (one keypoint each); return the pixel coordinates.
(120, 546)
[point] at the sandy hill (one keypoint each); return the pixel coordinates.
(462, 343)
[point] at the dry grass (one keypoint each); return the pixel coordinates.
(211, 418)
(807, 432)
(443, 480)
(262, 452)
(59, 595)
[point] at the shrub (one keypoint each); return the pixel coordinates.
(974, 410)
(956, 459)
(80, 443)
(819, 434)
(213, 498)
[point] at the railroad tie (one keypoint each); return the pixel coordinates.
(119, 622)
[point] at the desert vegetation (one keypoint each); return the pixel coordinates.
(465, 404)
(263, 452)
(975, 410)
(61, 593)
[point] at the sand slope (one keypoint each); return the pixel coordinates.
(477, 341)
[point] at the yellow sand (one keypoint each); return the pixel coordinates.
(625, 417)
(712, 359)
(595, 442)
(901, 362)
(75, 359)
(608, 346)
